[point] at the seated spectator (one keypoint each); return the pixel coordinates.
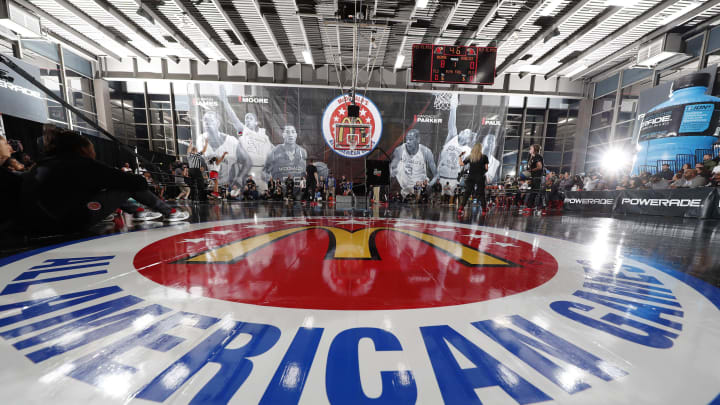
(636, 183)
(702, 170)
(690, 180)
(566, 182)
(11, 186)
(709, 163)
(235, 193)
(658, 182)
(624, 183)
(250, 190)
(90, 190)
(126, 168)
(715, 179)
(592, 182)
(666, 173)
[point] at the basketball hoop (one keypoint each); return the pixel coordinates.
(443, 100)
(353, 137)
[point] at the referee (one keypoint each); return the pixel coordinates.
(197, 183)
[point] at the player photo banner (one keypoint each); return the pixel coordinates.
(351, 142)
(273, 132)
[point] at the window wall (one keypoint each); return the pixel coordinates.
(615, 100)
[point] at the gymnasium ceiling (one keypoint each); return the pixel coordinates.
(547, 37)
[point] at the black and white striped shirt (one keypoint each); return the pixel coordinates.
(195, 160)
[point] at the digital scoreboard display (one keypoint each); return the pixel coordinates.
(453, 64)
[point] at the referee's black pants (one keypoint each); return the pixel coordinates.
(197, 185)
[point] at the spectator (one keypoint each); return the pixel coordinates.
(289, 188)
(636, 183)
(251, 192)
(624, 183)
(666, 173)
(592, 182)
(126, 168)
(578, 183)
(90, 190)
(447, 192)
(690, 180)
(330, 187)
(659, 182)
(181, 174)
(11, 186)
(702, 170)
(709, 163)
(235, 193)
(566, 182)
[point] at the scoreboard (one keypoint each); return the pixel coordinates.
(453, 64)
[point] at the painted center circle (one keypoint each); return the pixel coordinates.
(346, 264)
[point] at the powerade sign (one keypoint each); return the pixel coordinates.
(592, 201)
(83, 323)
(19, 97)
(681, 120)
(692, 203)
(661, 202)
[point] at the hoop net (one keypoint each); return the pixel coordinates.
(442, 100)
(353, 141)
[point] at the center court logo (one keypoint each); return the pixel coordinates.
(337, 310)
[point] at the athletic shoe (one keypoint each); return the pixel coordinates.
(109, 218)
(176, 215)
(142, 215)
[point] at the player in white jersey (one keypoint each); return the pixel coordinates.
(235, 166)
(252, 138)
(410, 163)
(455, 144)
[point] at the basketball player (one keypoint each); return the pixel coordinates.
(252, 138)
(455, 144)
(235, 167)
(286, 159)
(410, 163)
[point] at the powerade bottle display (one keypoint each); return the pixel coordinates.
(689, 120)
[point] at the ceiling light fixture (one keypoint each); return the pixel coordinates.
(307, 55)
(550, 7)
(399, 61)
(421, 3)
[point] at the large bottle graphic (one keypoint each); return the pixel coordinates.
(686, 122)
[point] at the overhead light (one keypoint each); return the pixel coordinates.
(680, 13)
(577, 70)
(550, 7)
(421, 3)
(529, 68)
(399, 61)
(307, 55)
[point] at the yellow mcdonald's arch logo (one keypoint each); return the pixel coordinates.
(347, 245)
(340, 136)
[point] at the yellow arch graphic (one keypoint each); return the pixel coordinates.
(357, 245)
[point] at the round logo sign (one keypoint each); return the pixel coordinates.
(337, 310)
(351, 136)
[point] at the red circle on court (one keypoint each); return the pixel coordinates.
(340, 264)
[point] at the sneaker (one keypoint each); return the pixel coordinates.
(109, 218)
(142, 215)
(176, 215)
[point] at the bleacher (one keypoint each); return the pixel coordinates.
(680, 160)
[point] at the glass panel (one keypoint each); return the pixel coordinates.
(78, 82)
(693, 46)
(677, 72)
(714, 40)
(629, 99)
(550, 138)
(635, 75)
(160, 117)
(601, 120)
(606, 86)
(604, 103)
(45, 48)
(598, 137)
(536, 102)
(82, 101)
(77, 63)
(624, 130)
(533, 135)
(535, 115)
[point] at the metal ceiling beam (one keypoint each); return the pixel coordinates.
(523, 20)
(448, 20)
(128, 23)
(577, 35)
(101, 28)
(229, 56)
(304, 33)
(632, 25)
(54, 20)
(240, 35)
(485, 21)
(539, 37)
(170, 28)
(405, 35)
(269, 31)
(69, 44)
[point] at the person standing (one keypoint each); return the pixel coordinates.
(536, 167)
(312, 180)
(330, 187)
(476, 178)
(195, 162)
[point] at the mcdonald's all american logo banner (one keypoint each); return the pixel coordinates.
(351, 142)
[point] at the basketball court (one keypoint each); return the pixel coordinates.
(323, 255)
